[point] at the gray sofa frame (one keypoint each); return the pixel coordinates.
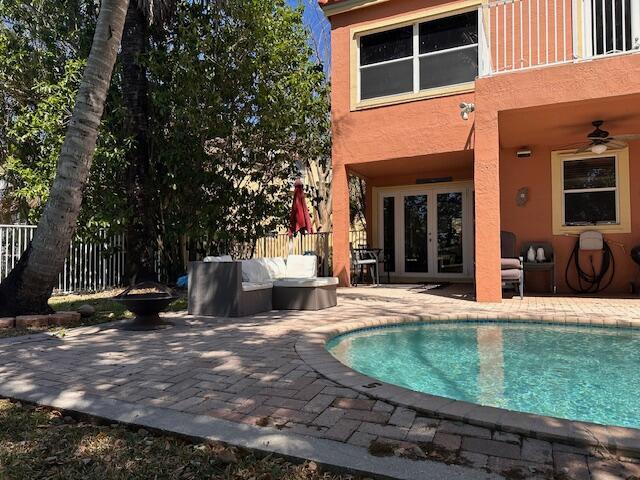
(304, 298)
(215, 289)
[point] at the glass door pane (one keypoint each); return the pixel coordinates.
(415, 234)
(389, 233)
(450, 240)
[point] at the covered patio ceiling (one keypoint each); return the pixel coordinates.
(456, 164)
(568, 123)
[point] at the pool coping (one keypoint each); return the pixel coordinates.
(622, 440)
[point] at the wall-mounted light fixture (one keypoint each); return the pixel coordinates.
(466, 109)
(522, 197)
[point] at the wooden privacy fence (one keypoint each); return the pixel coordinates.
(89, 266)
(278, 245)
(321, 244)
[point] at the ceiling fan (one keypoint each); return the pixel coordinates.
(599, 141)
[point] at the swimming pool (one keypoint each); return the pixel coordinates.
(579, 373)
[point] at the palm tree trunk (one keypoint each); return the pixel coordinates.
(28, 287)
(142, 229)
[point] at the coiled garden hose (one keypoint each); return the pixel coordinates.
(591, 282)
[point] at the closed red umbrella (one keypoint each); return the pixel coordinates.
(299, 220)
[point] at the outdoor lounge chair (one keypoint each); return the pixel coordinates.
(221, 287)
(511, 266)
(216, 289)
(301, 289)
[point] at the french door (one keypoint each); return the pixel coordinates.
(427, 232)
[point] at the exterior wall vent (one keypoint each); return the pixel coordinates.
(422, 181)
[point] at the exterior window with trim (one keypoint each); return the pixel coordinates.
(590, 191)
(421, 56)
(386, 63)
(449, 51)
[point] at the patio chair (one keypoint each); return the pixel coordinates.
(216, 288)
(511, 265)
(361, 257)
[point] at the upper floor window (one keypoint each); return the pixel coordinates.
(420, 56)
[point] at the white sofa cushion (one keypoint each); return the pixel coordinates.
(254, 271)
(276, 267)
(306, 282)
(302, 266)
(222, 258)
(251, 287)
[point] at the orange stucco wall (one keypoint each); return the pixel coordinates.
(399, 131)
(394, 145)
(413, 132)
(551, 108)
(532, 222)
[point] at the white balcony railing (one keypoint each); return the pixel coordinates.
(522, 34)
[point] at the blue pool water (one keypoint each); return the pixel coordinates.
(578, 373)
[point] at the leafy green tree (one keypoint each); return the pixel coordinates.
(35, 138)
(237, 108)
(236, 97)
(38, 39)
(29, 285)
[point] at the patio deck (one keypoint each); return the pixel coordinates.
(246, 373)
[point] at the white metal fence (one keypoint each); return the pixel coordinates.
(522, 34)
(89, 266)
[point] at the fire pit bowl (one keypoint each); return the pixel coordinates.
(151, 299)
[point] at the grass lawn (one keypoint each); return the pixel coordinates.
(39, 443)
(106, 310)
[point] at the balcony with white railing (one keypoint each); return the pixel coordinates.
(524, 34)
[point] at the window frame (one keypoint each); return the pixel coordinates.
(616, 189)
(415, 20)
(623, 195)
(359, 67)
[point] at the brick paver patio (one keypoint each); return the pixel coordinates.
(247, 370)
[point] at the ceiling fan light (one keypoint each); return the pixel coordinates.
(599, 148)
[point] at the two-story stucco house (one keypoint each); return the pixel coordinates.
(470, 117)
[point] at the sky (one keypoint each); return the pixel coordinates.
(319, 26)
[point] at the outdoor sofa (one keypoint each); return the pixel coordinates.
(220, 286)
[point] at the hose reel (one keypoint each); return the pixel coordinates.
(594, 281)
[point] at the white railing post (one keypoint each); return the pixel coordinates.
(635, 24)
(597, 28)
